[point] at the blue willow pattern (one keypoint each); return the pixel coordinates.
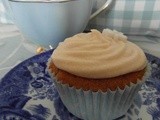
(30, 81)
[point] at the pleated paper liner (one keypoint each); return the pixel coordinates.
(98, 105)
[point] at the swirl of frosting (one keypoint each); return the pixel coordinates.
(99, 55)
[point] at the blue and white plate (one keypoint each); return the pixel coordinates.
(27, 93)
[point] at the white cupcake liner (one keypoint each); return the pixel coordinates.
(98, 105)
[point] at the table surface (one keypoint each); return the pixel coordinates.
(15, 49)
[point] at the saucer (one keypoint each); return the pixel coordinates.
(28, 93)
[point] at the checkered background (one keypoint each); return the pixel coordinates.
(130, 17)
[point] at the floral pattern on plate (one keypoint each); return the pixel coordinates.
(28, 93)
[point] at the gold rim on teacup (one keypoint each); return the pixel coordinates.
(41, 1)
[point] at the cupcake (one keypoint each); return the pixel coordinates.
(98, 74)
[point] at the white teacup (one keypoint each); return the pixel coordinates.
(48, 22)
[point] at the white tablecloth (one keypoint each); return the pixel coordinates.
(14, 49)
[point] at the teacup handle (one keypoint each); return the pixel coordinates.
(104, 7)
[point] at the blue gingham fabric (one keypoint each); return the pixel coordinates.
(139, 17)
(130, 17)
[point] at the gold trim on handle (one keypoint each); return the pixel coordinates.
(104, 7)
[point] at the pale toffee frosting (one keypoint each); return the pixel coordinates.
(99, 55)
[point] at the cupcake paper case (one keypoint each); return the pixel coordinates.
(98, 105)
